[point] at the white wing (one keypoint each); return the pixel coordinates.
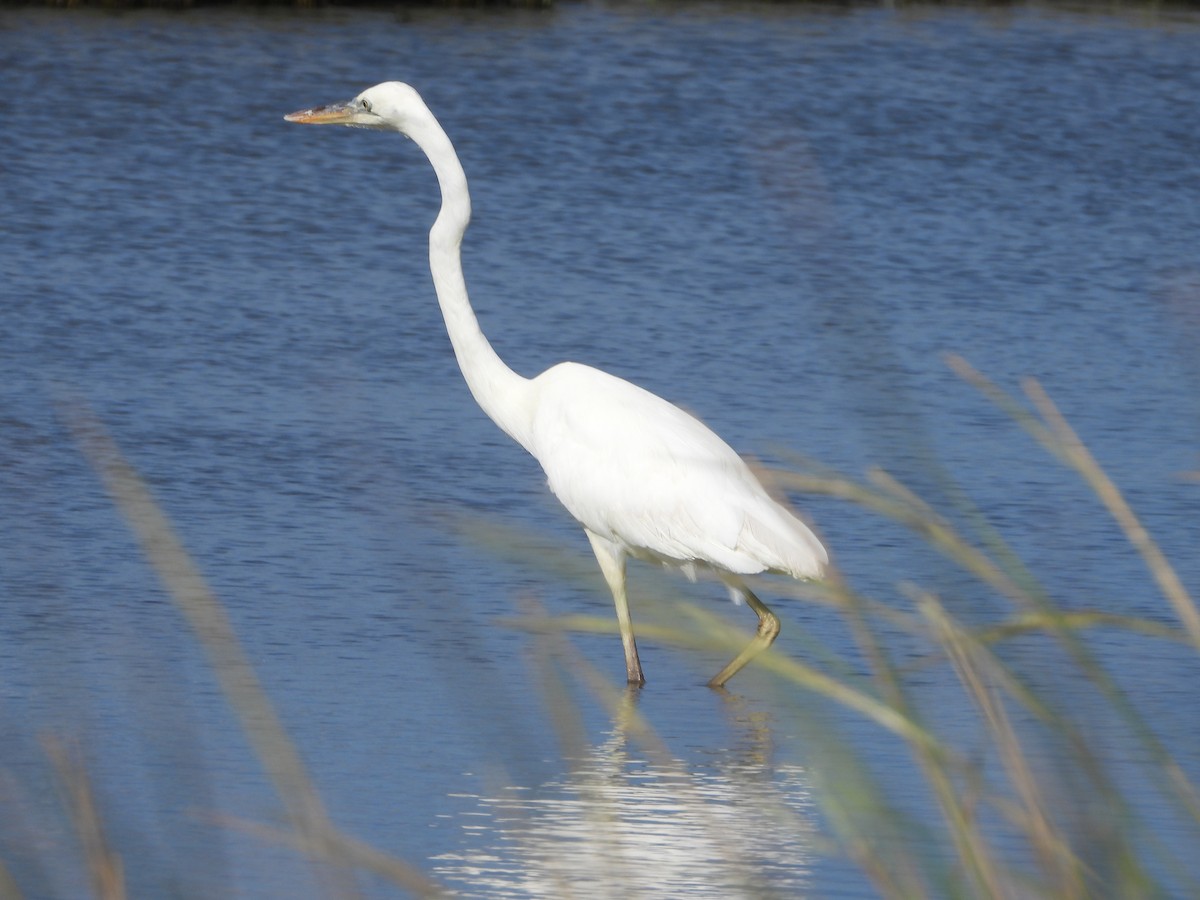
(637, 470)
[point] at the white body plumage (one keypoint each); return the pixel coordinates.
(652, 479)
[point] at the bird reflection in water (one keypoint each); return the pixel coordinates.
(624, 822)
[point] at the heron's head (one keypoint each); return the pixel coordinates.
(392, 106)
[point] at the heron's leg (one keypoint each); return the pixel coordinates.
(612, 564)
(768, 630)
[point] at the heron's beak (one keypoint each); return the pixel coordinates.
(335, 114)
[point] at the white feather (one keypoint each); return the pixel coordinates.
(657, 482)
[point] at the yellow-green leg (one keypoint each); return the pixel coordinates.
(612, 564)
(768, 630)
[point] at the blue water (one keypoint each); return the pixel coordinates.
(779, 218)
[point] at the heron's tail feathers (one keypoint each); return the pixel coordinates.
(783, 544)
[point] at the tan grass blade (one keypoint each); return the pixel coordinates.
(206, 616)
(972, 663)
(1056, 435)
(8, 885)
(1076, 453)
(105, 870)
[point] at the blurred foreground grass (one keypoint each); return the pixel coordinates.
(1066, 829)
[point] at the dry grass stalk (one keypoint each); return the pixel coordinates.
(1076, 453)
(976, 669)
(209, 623)
(105, 870)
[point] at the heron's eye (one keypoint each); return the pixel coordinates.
(366, 104)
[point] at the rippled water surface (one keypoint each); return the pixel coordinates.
(779, 218)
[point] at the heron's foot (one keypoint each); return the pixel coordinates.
(736, 664)
(633, 663)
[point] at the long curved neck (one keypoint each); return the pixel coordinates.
(504, 395)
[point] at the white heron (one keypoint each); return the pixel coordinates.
(643, 477)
